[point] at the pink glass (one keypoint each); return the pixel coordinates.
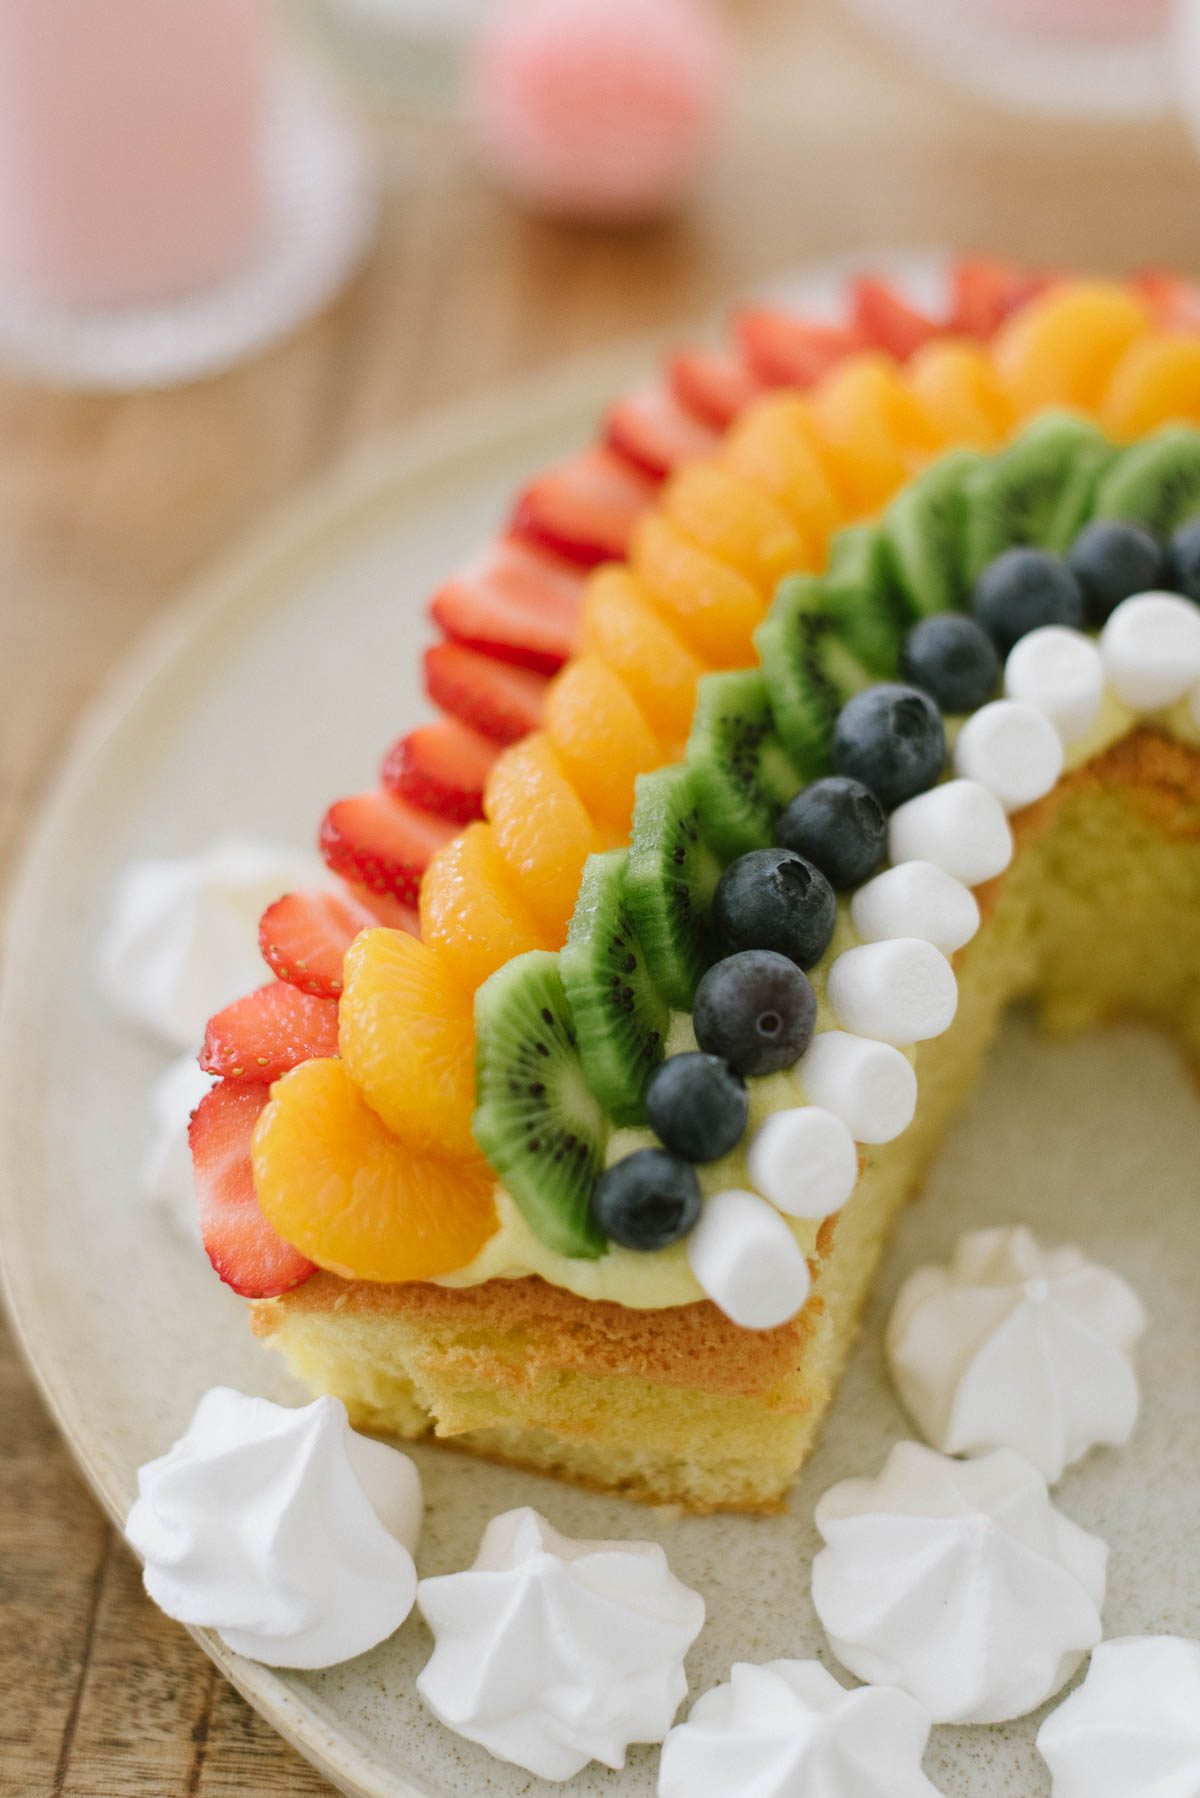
(130, 133)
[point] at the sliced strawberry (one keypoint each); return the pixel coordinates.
(585, 509)
(1174, 302)
(651, 430)
(500, 702)
(240, 1243)
(382, 843)
(888, 322)
(384, 909)
(713, 385)
(258, 1038)
(304, 938)
(441, 768)
(514, 603)
(984, 291)
(785, 351)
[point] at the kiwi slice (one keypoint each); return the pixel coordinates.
(1156, 483)
(670, 879)
(536, 1121)
(620, 1020)
(810, 673)
(922, 535)
(742, 775)
(1039, 492)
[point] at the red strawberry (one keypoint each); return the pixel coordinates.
(441, 768)
(651, 430)
(785, 351)
(500, 702)
(240, 1243)
(384, 909)
(1174, 302)
(888, 322)
(713, 385)
(258, 1038)
(382, 843)
(514, 603)
(984, 291)
(304, 938)
(585, 509)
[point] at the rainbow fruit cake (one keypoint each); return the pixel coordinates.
(849, 692)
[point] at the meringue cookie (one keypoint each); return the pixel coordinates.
(166, 1172)
(958, 826)
(182, 938)
(1150, 648)
(789, 1730)
(1012, 749)
(1016, 1346)
(282, 1529)
(1060, 672)
(1132, 1729)
(869, 1085)
(958, 1581)
(747, 1261)
(899, 991)
(551, 1653)
(916, 899)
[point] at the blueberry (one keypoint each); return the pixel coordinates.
(840, 826)
(891, 739)
(774, 899)
(1183, 561)
(698, 1106)
(756, 1010)
(953, 660)
(1111, 560)
(648, 1201)
(1021, 590)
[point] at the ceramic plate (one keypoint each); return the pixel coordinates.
(266, 694)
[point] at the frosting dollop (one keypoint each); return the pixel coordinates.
(182, 936)
(282, 1529)
(958, 1581)
(551, 1652)
(789, 1730)
(1017, 1346)
(1132, 1729)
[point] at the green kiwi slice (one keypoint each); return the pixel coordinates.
(922, 535)
(670, 879)
(1156, 483)
(620, 1019)
(860, 593)
(742, 775)
(1038, 493)
(536, 1121)
(810, 674)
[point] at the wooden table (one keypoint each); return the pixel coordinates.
(107, 505)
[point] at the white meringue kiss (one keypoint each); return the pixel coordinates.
(959, 1582)
(1016, 1346)
(1132, 1729)
(282, 1529)
(958, 826)
(747, 1261)
(916, 899)
(551, 1653)
(868, 1084)
(1012, 749)
(1150, 648)
(182, 937)
(900, 991)
(1060, 672)
(789, 1730)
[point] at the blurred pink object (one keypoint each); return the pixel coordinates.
(598, 109)
(130, 138)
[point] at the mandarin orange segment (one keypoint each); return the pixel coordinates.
(620, 626)
(335, 1182)
(875, 429)
(541, 828)
(1062, 350)
(471, 911)
(714, 608)
(957, 385)
(603, 739)
(406, 1033)
(737, 523)
(1156, 382)
(775, 446)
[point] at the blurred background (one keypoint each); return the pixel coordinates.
(237, 241)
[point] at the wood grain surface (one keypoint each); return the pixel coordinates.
(107, 505)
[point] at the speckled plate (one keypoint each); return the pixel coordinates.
(299, 663)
